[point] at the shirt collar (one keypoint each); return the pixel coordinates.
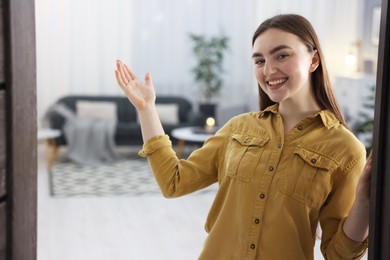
(270, 109)
(328, 118)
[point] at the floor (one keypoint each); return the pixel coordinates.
(119, 228)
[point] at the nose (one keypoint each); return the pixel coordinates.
(269, 68)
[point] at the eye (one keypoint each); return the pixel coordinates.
(282, 56)
(259, 62)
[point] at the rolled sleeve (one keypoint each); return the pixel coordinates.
(155, 144)
(335, 244)
(347, 247)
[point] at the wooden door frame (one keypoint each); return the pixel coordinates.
(21, 128)
(379, 239)
(22, 143)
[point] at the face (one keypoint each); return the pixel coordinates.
(282, 66)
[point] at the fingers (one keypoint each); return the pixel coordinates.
(370, 155)
(125, 74)
(129, 73)
(148, 80)
(369, 160)
(368, 168)
(119, 79)
(120, 74)
(127, 78)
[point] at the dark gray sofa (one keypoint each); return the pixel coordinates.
(128, 130)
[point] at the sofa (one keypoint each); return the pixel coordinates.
(174, 112)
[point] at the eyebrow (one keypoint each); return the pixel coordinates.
(276, 49)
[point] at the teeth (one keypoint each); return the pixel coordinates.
(275, 82)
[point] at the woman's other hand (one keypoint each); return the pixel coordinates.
(357, 223)
(141, 95)
(363, 186)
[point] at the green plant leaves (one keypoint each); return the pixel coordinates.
(208, 71)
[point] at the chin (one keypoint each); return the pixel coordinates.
(277, 98)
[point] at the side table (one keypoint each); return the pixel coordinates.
(51, 149)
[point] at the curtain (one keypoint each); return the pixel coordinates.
(78, 42)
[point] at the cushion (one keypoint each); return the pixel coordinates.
(168, 113)
(97, 109)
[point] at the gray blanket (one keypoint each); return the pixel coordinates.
(90, 140)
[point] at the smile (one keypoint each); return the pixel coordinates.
(276, 82)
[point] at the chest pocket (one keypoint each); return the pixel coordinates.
(243, 154)
(308, 178)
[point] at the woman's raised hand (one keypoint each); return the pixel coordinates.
(141, 95)
(143, 98)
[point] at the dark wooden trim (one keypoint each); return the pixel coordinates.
(2, 51)
(380, 182)
(3, 139)
(3, 228)
(21, 129)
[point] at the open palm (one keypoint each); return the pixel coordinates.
(140, 94)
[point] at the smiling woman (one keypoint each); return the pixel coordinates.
(283, 170)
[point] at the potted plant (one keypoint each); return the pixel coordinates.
(208, 71)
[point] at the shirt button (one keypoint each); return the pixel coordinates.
(300, 128)
(262, 196)
(257, 221)
(271, 168)
(313, 160)
(253, 246)
(280, 146)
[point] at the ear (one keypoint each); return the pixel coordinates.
(315, 61)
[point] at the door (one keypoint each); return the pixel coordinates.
(379, 241)
(18, 134)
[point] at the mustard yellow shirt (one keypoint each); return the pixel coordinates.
(273, 189)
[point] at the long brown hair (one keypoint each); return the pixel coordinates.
(301, 27)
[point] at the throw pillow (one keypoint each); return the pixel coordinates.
(168, 113)
(97, 109)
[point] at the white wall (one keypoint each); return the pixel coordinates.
(78, 42)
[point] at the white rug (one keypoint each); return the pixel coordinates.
(126, 177)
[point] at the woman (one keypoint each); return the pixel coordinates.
(281, 170)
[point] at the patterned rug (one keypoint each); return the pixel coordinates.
(126, 177)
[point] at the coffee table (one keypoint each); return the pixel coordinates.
(190, 134)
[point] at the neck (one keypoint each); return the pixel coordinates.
(302, 105)
(298, 110)
(292, 113)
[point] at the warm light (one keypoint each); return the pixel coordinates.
(210, 124)
(210, 121)
(351, 58)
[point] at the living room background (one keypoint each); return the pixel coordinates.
(78, 42)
